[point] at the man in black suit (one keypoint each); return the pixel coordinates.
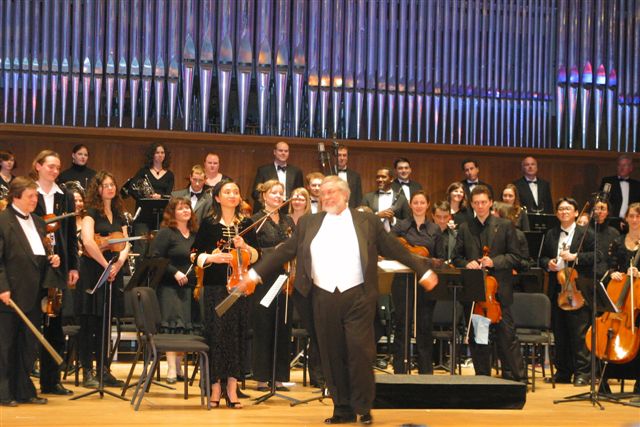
(560, 249)
(534, 192)
(352, 177)
(289, 175)
(314, 181)
(337, 252)
(56, 200)
(471, 170)
(23, 262)
(403, 179)
(499, 236)
(200, 200)
(624, 189)
(387, 204)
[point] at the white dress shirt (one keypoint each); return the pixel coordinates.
(566, 237)
(282, 177)
(533, 186)
(31, 232)
(624, 189)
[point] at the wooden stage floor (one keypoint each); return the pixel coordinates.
(162, 407)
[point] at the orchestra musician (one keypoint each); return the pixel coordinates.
(387, 204)
(23, 261)
(337, 252)
(212, 171)
(200, 198)
(624, 189)
(351, 176)
(606, 234)
(560, 250)
(174, 241)
(225, 335)
(300, 204)
(54, 200)
(275, 229)
(511, 196)
(534, 192)
(460, 210)
(7, 166)
(104, 218)
(471, 169)
(403, 179)
(314, 180)
(417, 230)
(441, 213)
(290, 176)
(79, 171)
(499, 236)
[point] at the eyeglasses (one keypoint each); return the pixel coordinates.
(565, 209)
(108, 186)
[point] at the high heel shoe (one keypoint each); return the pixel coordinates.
(230, 404)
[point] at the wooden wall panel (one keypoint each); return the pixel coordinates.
(572, 173)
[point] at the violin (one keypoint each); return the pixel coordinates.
(617, 340)
(490, 307)
(114, 241)
(238, 266)
(52, 303)
(422, 251)
(570, 297)
(52, 221)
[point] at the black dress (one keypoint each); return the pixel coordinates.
(429, 236)
(82, 174)
(5, 184)
(175, 300)
(225, 335)
(163, 185)
(263, 319)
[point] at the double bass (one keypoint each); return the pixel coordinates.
(617, 340)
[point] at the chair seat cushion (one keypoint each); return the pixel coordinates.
(180, 345)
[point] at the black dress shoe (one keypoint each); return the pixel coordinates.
(559, 379)
(338, 419)
(263, 388)
(580, 381)
(366, 418)
(35, 401)
(282, 388)
(8, 402)
(57, 389)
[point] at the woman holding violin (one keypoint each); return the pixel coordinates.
(622, 252)
(174, 241)
(217, 244)
(275, 230)
(104, 218)
(420, 236)
(53, 201)
(558, 256)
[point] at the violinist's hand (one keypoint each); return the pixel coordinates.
(239, 243)
(181, 278)
(429, 282)
(115, 269)
(72, 279)
(386, 214)
(474, 265)
(247, 285)
(5, 297)
(54, 260)
(616, 275)
(486, 262)
(219, 258)
(553, 265)
(567, 256)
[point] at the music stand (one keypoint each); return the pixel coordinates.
(106, 331)
(151, 212)
(462, 285)
(542, 222)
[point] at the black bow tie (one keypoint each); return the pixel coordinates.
(564, 232)
(342, 170)
(19, 215)
(472, 182)
(282, 168)
(535, 181)
(381, 192)
(623, 179)
(404, 183)
(198, 195)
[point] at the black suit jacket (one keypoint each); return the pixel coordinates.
(400, 206)
(467, 192)
(66, 236)
(413, 186)
(19, 272)
(545, 201)
(504, 251)
(615, 197)
(372, 241)
(267, 172)
(203, 206)
(355, 185)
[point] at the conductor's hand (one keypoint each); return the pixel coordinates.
(429, 282)
(54, 260)
(247, 285)
(5, 297)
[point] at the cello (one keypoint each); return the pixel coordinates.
(617, 340)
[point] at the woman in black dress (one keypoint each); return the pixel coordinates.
(606, 235)
(418, 230)
(510, 196)
(225, 335)
(79, 171)
(104, 216)
(174, 241)
(273, 231)
(7, 165)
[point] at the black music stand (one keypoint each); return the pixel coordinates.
(151, 212)
(542, 222)
(106, 331)
(460, 285)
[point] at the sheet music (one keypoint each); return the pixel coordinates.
(393, 266)
(273, 291)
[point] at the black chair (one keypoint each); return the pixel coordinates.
(71, 335)
(442, 332)
(532, 320)
(147, 317)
